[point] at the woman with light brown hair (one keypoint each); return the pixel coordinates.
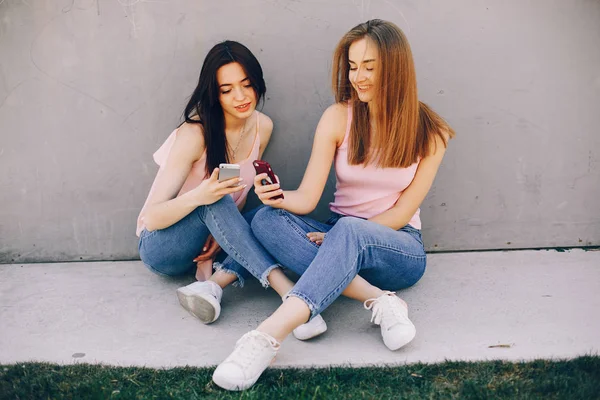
(386, 147)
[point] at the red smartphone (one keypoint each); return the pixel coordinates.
(263, 167)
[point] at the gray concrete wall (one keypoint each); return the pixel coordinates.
(89, 89)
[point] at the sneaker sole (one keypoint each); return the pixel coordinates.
(233, 386)
(321, 329)
(224, 383)
(207, 310)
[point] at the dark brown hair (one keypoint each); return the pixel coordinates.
(405, 128)
(204, 102)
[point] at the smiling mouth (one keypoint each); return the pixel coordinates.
(243, 106)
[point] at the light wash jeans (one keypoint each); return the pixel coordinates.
(170, 251)
(388, 259)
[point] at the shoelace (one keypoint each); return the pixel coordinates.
(248, 347)
(384, 312)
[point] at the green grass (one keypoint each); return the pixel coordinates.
(573, 379)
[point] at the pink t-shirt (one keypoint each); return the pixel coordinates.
(365, 190)
(198, 172)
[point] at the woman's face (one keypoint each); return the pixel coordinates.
(236, 95)
(363, 58)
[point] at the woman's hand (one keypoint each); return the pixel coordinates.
(316, 237)
(211, 190)
(204, 261)
(265, 193)
(209, 251)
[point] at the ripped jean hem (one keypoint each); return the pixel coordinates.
(263, 278)
(220, 267)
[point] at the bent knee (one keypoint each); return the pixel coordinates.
(266, 226)
(265, 218)
(351, 221)
(166, 268)
(350, 225)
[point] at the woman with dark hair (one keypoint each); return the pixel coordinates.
(189, 214)
(386, 146)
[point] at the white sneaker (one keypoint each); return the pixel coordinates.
(311, 329)
(253, 353)
(202, 300)
(391, 314)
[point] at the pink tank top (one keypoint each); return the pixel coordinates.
(198, 172)
(365, 190)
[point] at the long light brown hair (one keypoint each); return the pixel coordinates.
(405, 128)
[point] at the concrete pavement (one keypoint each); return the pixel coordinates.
(535, 304)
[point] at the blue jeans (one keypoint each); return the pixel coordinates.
(170, 251)
(388, 259)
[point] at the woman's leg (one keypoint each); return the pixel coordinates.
(374, 279)
(233, 234)
(173, 249)
(277, 279)
(227, 267)
(387, 260)
(283, 234)
(227, 270)
(391, 259)
(170, 251)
